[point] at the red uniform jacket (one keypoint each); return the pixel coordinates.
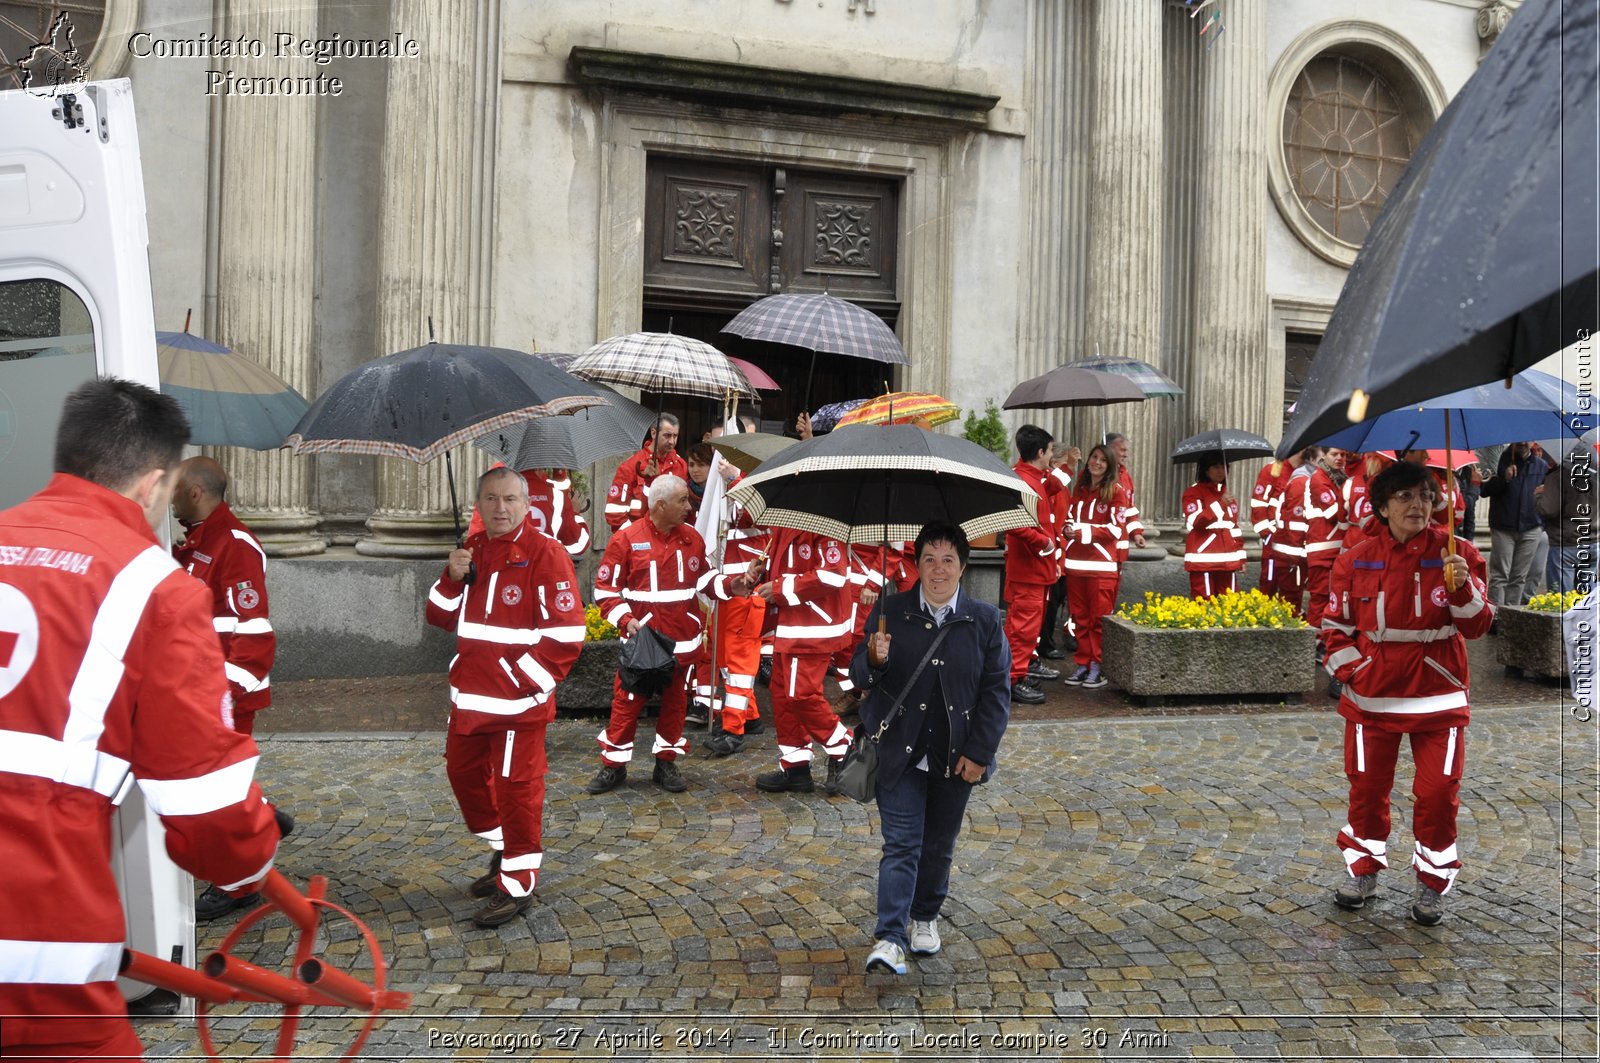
(653, 578)
(1212, 541)
(1396, 636)
(1289, 536)
(1096, 534)
(625, 501)
(1032, 553)
(1266, 501)
(1319, 497)
(1130, 512)
(79, 723)
(813, 608)
(223, 554)
(519, 629)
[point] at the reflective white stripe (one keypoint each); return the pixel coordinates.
(613, 753)
(614, 617)
(681, 595)
(22, 753)
(449, 605)
(59, 962)
(567, 633)
(505, 636)
(1089, 566)
(787, 590)
(505, 761)
(613, 508)
(1232, 555)
(525, 862)
(581, 544)
(813, 631)
(536, 672)
(1471, 609)
(1456, 699)
(207, 793)
(492, 706)
(661, 745)
(506, 668)
(248, 682)
(1450, 751)
(488, 599)
(1322, 547)
(1340, 658)
(837, 742)
(493, 837)
(259, 626)
(1442, 670)
(252, 878)
(1287, 550)
(1361, 749)
(834, 579)
(688, 646)
(1430, 862)
(1402, 634)
(794, 756)
(225, 624)
(1377, 848)
(247, 539)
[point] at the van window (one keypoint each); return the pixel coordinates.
(46, 350)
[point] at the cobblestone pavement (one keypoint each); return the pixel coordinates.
(1142, 887)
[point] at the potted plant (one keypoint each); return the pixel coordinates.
(1530, 642)
(989, 432)
(1229, 644)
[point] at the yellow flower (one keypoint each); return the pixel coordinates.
(596, 628)
(1554, 601)
(1229, 610)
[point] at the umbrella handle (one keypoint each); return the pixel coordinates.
(1449, 505)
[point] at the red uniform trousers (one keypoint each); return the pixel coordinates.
(1089, 600)
(735, 639)
(122, 1044)
(1317, 605)
(800, 712)
(498, 779)
(1287, 581)
(1205, 584)
(616, 741)
(1024, 616)
(1369, 762)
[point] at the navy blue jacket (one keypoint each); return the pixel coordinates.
(971, 668)
(1511, 501)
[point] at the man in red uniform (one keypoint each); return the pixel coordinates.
(519, 628)
(808, 596)
(625, 502)
(1289, 533)
(1324, 512)
(737, 621)
(550, 508)
(650, 574)
(1118, 444)
(223, 554)
(1032, 565)
(1402, 605)
(1266, 512)
(110, 674)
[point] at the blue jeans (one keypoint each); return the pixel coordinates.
(1564, 564)
(920, 816)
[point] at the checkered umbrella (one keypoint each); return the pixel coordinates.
(1152, 381)
(823, 323)
(662, 362)
(879, 482)
(903, 407)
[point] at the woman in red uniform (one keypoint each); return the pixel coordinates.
(1213, 552)
(1401, 607)
(1097, 541)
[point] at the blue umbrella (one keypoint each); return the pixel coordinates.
(230, 400)
(1535, 406)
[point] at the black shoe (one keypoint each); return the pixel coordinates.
(1069, 643)
(754, 726)
(214, 904)
(699, 714)
(1050, 653)
(1040, 671)
(724, 744)
(485, 886)
(668, 777)
(1335, 689)
(609, 777)
(797, 780)
(764, 673)
(285, 822)
(501, 910)
(830, 785)
(1027, 695)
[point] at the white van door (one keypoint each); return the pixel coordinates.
(75, 303)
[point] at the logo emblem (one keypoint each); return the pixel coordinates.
(248, 598)
(19, 637)
(833, 555)
(805, 551)
(566, 601)
(1440, 596)
(604, 573)
(615, 491)
(512, 594)
(694, 563)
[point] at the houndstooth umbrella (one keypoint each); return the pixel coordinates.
(878, 482)
(662, 362)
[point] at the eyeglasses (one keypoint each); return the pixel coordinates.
(1406, 498)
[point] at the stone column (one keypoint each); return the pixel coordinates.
(266, 267)
(1232, 384)
(437, 205)
(1122, 313)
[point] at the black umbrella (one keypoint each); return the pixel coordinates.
(1483, 260)
(1069, 385)
(419, 403)
(1232, 443)
(873, 483)
(588, 436)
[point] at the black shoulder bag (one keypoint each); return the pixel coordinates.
(858, 775)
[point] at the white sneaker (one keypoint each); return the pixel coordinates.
(924, 937)
(887, 956)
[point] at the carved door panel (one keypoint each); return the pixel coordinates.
(839, 234)
(707, 230)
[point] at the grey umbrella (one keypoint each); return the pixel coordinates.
(1070, 385)
(1232, 443)
(1483, 261)
(588, 436)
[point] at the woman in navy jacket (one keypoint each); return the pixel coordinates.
(942, 741)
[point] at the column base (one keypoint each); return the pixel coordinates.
(285, 534)
(399, 536)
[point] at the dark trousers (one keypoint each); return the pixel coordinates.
(919, 816)
(1053, 603)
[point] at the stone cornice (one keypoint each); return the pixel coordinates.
(792, 90)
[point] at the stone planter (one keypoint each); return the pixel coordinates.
(1530, 643)
(587, 688)
(1269, 664)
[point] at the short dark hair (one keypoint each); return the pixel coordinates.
(1400, 476)
(1031, 439)
(701, 454)
(114, 431)
(939, 531)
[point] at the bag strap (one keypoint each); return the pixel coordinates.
(894, 710)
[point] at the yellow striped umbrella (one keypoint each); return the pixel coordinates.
(904, 407)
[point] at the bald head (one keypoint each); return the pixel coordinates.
(201, 486)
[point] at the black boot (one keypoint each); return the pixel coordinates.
(797, 780)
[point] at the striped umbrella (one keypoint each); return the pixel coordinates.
(904, 407)
(662, 362)
(1152, 381)
(230, 400)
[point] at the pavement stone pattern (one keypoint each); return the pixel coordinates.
(1133, 887)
